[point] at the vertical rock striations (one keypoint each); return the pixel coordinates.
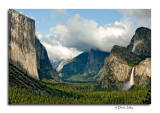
(25, 50)
(143, 72)
(21, 40)
(45, 69)
(141, 42)
(117, 67)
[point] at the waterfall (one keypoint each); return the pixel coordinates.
(130, 83)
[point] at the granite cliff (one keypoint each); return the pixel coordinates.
(143, 72)
(45, 69)
(25, 50)
(21, 41)
(141, 42)
(118, 66)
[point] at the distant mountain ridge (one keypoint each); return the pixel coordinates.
(85, 63)
(58, 64)
(62, 63)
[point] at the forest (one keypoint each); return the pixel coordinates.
(78, 93)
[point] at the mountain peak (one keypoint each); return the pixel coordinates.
(118, 66)
(143, 31)
(93, 50)
(141, 42)
(85, 63)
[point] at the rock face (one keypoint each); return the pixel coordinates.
(143, 72)
(141, 42)
(118, 66)
(114, 71)
(21, 41)
(85, 63)
(95, 61)
(45, 69)
(25, 50)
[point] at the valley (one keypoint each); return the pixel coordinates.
(121, 75)
(74, 93)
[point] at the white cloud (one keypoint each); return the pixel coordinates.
(55, 50)
(84, 34)
(81, 34)
(142, 16)
(137, 13)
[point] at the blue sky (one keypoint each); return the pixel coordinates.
(66, 33)
(46, 18)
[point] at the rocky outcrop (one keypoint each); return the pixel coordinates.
(141, 42)
(25, 50)
(144, 68)
(143, 72)
(21, 43)
(85, 63)
(45, 69)
(118, 66)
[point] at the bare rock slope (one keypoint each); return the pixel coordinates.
(45, 69)
(141, 42)
(21, 34)
(118, 66)
(25, 50)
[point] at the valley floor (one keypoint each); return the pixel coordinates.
(78, 93)
(25, 90)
